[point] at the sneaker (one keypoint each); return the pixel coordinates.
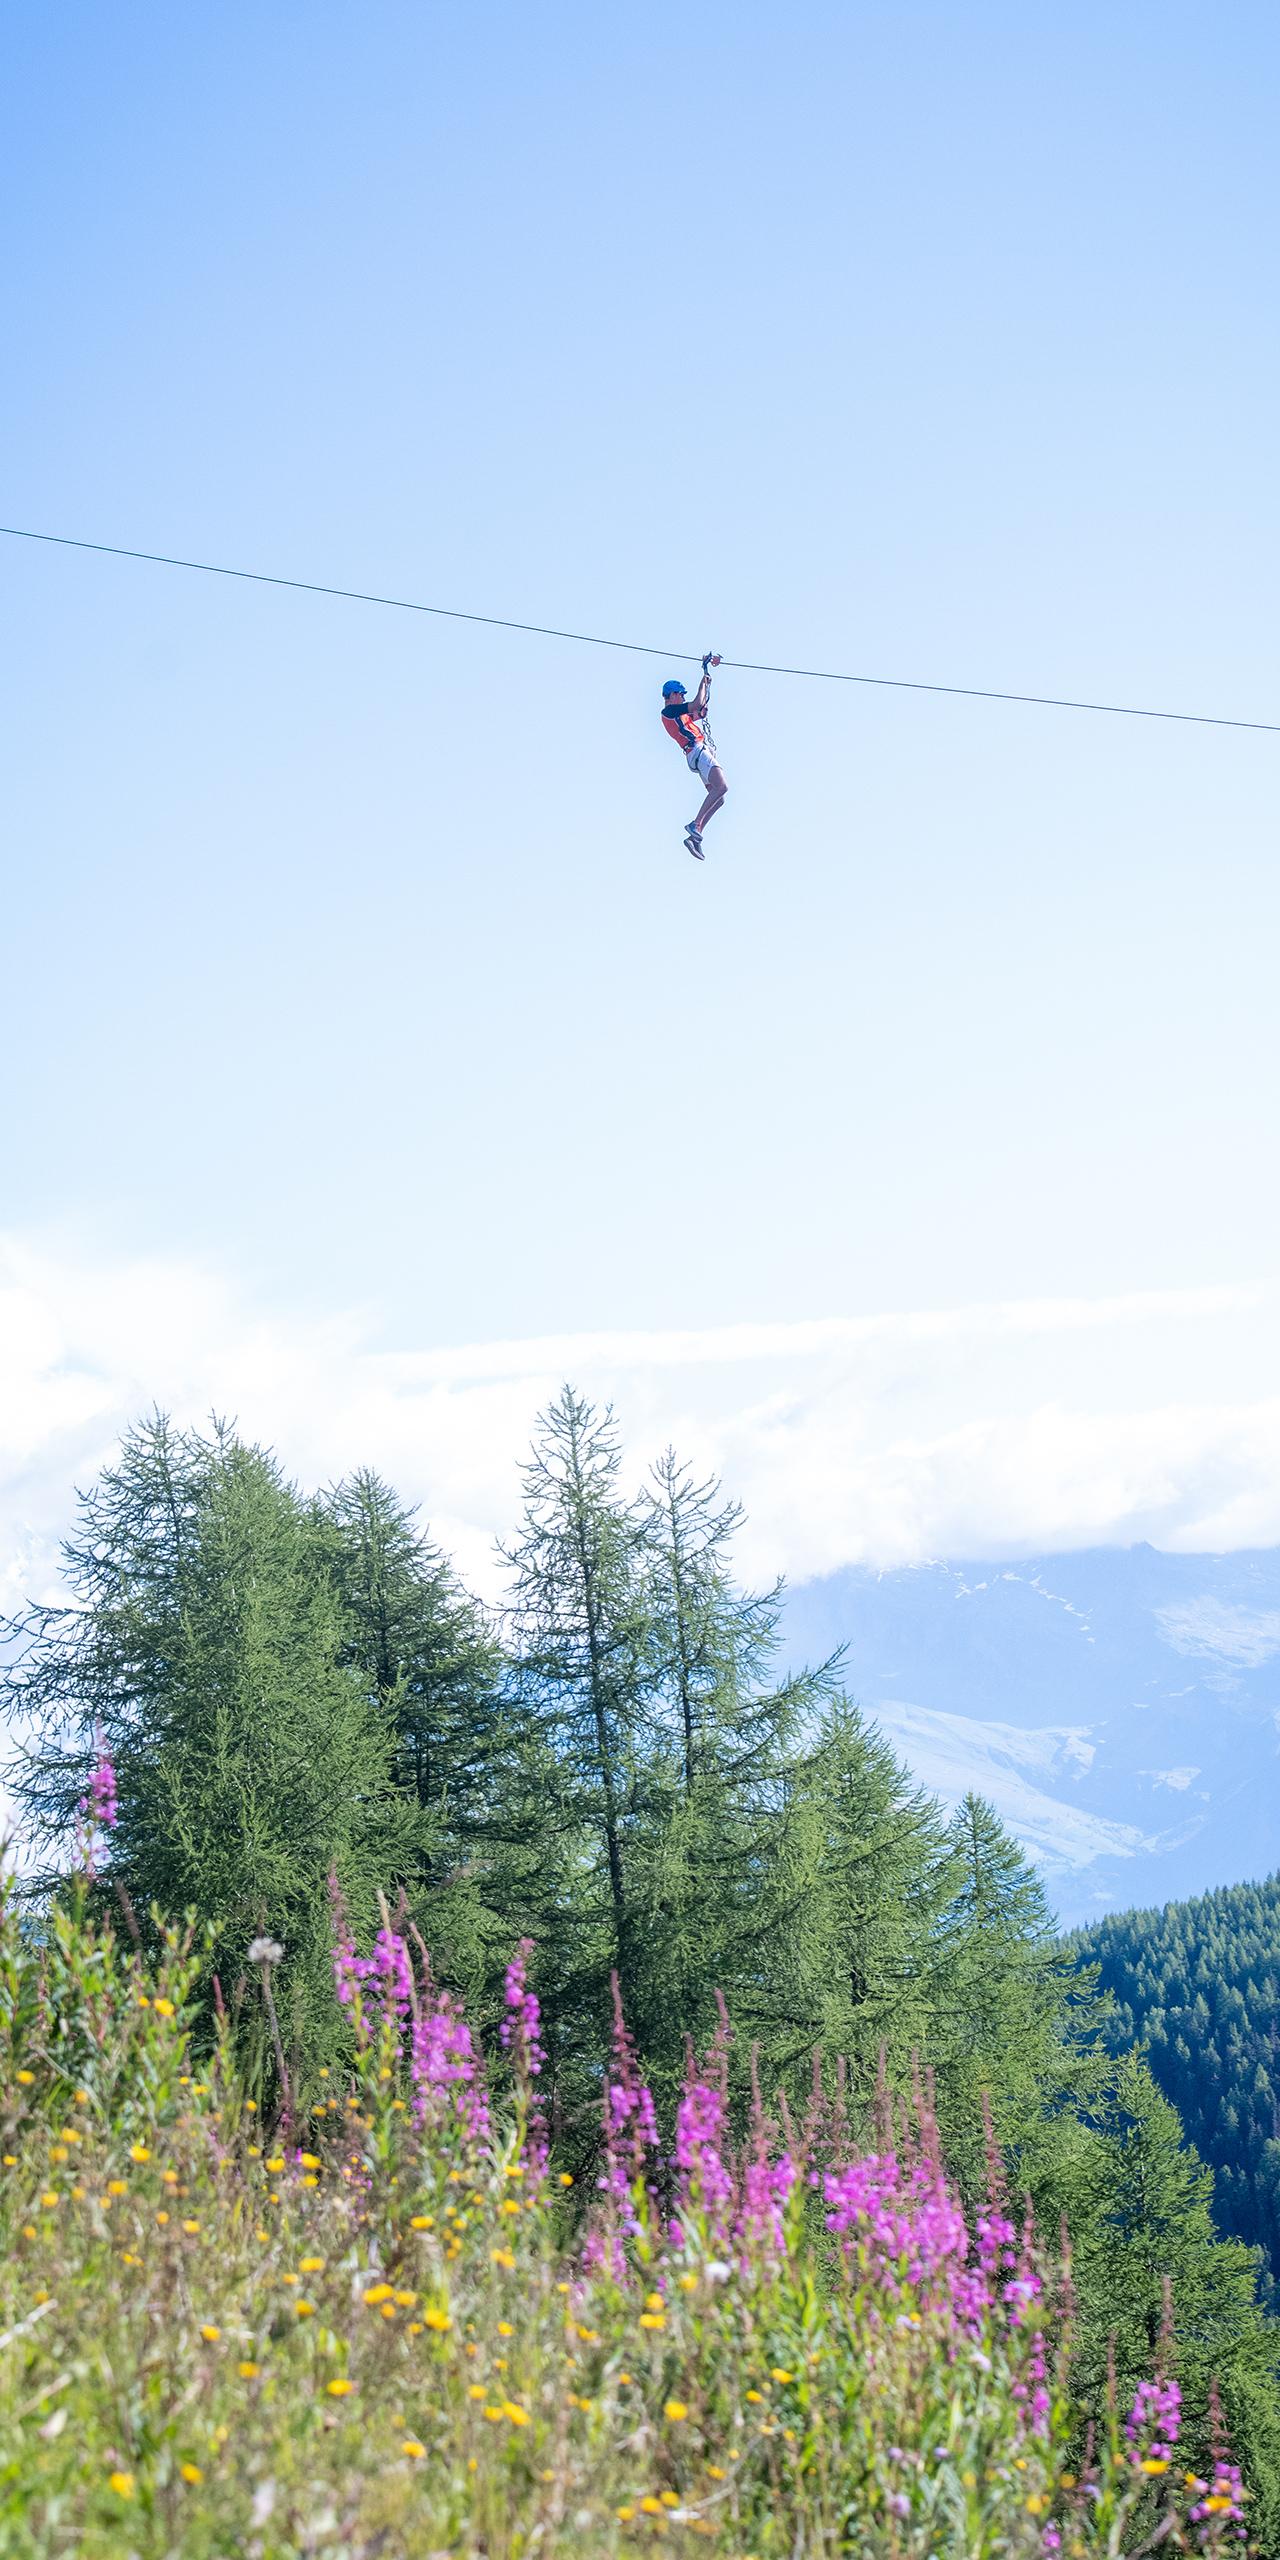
(694, 842)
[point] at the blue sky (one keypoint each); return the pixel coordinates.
(355, 977)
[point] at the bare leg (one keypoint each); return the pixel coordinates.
(717, 790)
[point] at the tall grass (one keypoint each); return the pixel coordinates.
(397, 2328)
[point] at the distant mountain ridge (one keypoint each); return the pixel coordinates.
(1119, 1706)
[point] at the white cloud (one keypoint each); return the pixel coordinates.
(981, 1430)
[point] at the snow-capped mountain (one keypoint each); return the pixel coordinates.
(1120, 1707)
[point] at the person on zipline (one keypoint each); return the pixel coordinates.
(686, 722)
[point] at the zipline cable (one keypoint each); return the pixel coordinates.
(639, 648)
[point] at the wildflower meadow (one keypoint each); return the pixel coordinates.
(390, 2322)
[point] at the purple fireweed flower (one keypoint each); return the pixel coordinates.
(521, 2036)
(630, 2129)
(1221, 2509)
(766, 2187)
(102, 1792)
(521, 2029)
(391, 1975)
(700, 2130)
(906, 2222)
(97, 1810)
(443, 2063)
(1154, 2421)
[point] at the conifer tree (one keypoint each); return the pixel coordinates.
(420, 1643)
(203, 1650)
(868, 1874)
(1010, 2018)
(1141, 2218)
(710, 1855)
(432, 1666)
(582, 1671)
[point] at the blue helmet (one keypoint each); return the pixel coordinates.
(672, 686)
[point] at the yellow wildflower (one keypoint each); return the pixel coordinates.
(211, 2331)
(412, 2447)
(437, 2319)
(25, 2078)
(308, 2159)
(116, 2187)
(675, 2410)
(192, 2230)
(49, 2198)
(780, 2373)
(139, 2151)
(625, 2515)
(421, 2221)
(651, 2506)
(121, 2482)
(503, 2258)
(652, 2320)
(406, 2299)
(714, 2471)
(755, 2395)
(378, 2293)
(164, 2008)
(191, 2471)
(669, 2498)
(339, 2387)
(304, 2309)
(276, 2164)
(311, 2266)
(1153, 2465)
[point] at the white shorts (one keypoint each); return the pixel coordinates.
(701, 763)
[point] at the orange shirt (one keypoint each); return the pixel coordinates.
(681, 725)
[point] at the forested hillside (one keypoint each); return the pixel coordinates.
(303, 1709)
(1199, 1983)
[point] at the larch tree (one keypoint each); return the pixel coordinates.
(202, 1648)
(582, 1673)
